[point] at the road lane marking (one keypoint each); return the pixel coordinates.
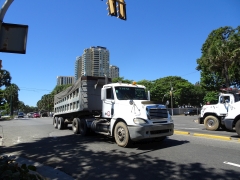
(232, 164)
(212, 136)
(187, 128)
(181, 132)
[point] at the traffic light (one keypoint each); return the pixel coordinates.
(112, 9)
(0, 64)
(122, 10)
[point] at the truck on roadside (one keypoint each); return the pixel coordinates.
(120, 110)
(232, 119)
(212, 115)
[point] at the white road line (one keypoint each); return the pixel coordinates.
(232, 164)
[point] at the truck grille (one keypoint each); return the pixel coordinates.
(160, 131)
(156, 113)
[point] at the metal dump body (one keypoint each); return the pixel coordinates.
(84, 95)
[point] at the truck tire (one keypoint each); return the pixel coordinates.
(60, 124)
(75, 125)
(121, 135)
(237, 127)
(211, 123)
(83, 129)
(55, 123)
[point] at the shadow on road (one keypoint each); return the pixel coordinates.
(72, 154)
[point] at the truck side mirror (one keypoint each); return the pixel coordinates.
(148, 95)
(167, 103)
(103, 94)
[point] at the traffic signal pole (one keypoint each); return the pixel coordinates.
(4, 10)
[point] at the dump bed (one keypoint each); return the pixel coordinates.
(84, 95)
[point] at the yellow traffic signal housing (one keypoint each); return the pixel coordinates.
(122, 10)
(112, 8)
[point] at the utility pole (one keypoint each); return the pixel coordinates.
(171, 93)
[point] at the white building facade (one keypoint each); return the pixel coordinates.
(113, 71)
(93, 62)
(62, 80)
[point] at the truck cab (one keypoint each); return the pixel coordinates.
(129, 104)
(212, 116)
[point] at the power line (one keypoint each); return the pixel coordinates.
(33, 89)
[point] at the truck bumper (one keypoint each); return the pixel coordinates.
(151, 131)
(200, 120)
(229, 123)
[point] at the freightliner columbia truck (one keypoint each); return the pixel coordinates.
(123, 111)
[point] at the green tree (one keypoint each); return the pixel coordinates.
(183, 92)
(211, 97)
(148, 84)
(5, 78)
(220, 59)
(11, 96)
(121, 79)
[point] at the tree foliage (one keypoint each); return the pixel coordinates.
(220, 60)
(5, 78)
(46, 103)
(183, 92)
(11, 94)
(121, 79)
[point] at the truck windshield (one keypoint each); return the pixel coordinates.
(134, 93)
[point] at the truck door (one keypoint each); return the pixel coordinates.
(108, 104)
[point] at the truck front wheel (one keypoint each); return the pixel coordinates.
(121, 134)
(237, 127)
(211, 123)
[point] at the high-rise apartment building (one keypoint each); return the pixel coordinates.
(93, 62)
(78, 67)
(113, 71)
(62, 80)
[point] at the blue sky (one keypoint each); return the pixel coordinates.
(160, 38)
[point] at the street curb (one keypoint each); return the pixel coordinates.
(225, 138)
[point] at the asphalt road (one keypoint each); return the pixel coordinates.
(95, 157)
(189, 124)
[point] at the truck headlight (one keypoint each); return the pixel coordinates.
(140, 121)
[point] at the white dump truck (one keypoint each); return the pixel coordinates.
(123, 111)
(212, 115)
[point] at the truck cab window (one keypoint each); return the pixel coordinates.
(110, 93)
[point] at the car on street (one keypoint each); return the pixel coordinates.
(30, 114)
(20, 115)
(36, 115)
(191, 112)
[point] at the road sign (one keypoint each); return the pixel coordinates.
(13, 38)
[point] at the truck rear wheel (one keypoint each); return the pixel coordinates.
(121, 135)
(237, 127)
(55, 122)
(60, 124)
(75, 125)
(83, 129)
(211, 123)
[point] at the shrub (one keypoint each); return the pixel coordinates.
(10, 169)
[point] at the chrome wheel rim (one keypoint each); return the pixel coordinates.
(121, 134)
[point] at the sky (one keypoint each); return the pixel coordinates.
(160, 38)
